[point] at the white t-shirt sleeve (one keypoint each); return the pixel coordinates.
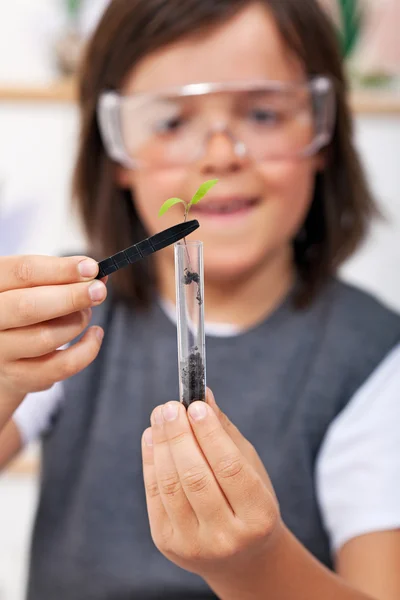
(34, 416)
(358, 466)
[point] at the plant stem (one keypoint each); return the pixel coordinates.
(184, 239)
(192, 271)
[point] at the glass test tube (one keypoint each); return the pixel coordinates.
(189, 279)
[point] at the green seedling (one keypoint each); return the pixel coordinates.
(201, 192)
(190, 275)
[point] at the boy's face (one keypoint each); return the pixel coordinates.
(272, 197)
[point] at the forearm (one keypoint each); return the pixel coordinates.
(10, 443)
(287, 571)
(10, 439)
(8, 404)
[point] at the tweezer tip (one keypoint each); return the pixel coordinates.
(191, 224)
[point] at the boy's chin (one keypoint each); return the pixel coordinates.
(230, 269)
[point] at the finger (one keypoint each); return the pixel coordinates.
(223, 419)
(196, 477)
(231, 429)
(245, 447)
(238, 480)
(43, 338)
(20, 308)
(172, 493)
(32, 271)
(241, 442)
(41, 373)
(159, 520)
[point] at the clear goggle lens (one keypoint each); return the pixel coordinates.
(264, 121)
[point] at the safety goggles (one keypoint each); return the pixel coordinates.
(264, 121)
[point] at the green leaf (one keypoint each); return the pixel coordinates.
(167, 205)
(202, 191)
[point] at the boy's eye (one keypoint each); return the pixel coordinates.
(264, 116)
(170, 125)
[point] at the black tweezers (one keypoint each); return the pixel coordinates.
(145, 247)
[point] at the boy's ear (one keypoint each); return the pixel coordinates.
(123, 177)
(321, 161)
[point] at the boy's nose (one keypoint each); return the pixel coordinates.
(222, 153)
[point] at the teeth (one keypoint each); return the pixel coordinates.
(224, 208)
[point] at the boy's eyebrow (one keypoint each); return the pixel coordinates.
(145, 247)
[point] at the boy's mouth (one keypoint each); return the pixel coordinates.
(228, 206)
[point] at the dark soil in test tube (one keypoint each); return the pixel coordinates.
(193, 277)
(192, 373)
(192, 370)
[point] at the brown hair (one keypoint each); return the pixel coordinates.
(129, 30)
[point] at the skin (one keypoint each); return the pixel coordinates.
(212, 509)
(45, 302)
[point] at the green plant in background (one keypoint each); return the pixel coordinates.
(72, 7)
(351, 20)
(69, 43)
(201, 192)
(352, 14)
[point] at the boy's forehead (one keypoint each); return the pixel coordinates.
(247, 47)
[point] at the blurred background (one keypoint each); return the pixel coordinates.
(40, 46)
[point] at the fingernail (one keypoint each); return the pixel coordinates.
(97, 291)
(148, 437)
(157, 416)
(198, 410)
(99, 334)
(88, 268)
(170, 411)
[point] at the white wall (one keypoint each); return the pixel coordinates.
(29, 30)
(37, 148)
(376, 267)
(18, 499)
